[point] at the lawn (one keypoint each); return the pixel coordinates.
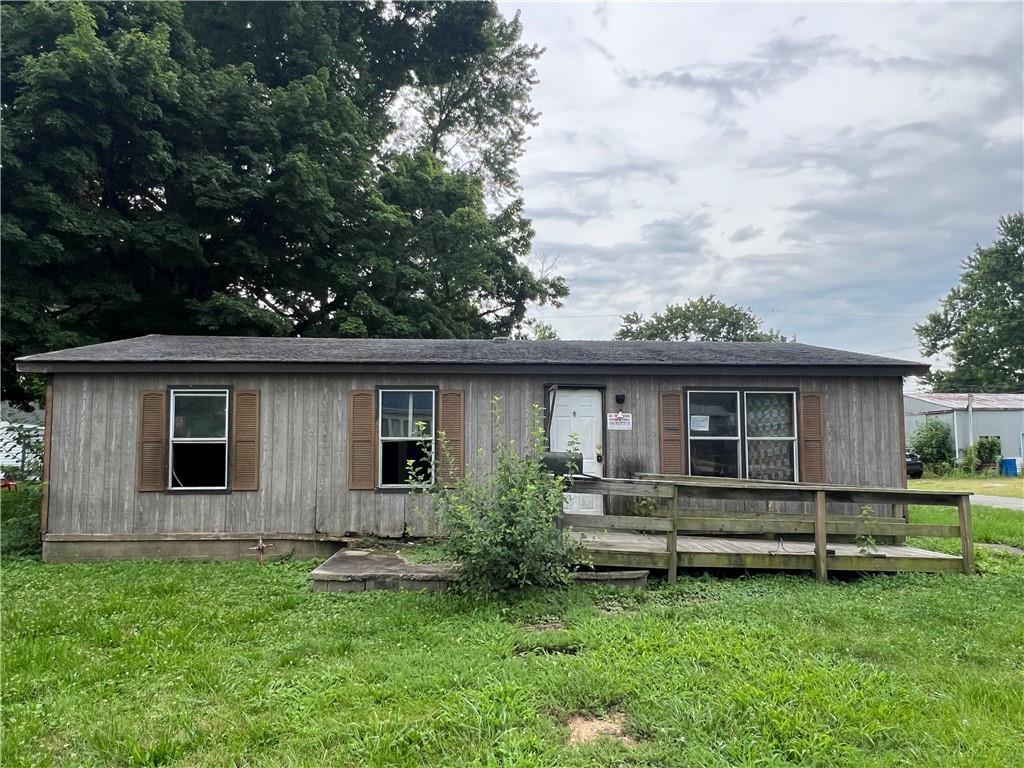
(990, 486)
(214, 664)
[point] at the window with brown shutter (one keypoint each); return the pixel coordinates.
(812, 437)
(362, 439)
(152, 464)
(670, 429)
(245, 441)
(452, 422)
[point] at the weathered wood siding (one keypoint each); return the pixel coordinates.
(304, 457)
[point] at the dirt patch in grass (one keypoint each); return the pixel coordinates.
(584, 729)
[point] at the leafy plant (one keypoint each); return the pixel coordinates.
(933, 442)
(866, 542)
(502, 529)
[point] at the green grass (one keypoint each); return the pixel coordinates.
(988, 524)
(991, 486)
(215, 664)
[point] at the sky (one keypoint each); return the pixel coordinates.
(826, 165)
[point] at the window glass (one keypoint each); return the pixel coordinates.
(422, 413)
(200, 415)
(713, 414)
(770, 414)
(394, 414)
(715, 458)
(770, 460)
(199, 439)
(405, 416)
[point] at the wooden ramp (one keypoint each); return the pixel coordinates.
(672, 539)
(649, 550)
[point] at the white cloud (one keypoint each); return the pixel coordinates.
(827, 165)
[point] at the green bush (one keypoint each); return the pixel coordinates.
(988, 450)
(502, 529)
(933, 442)
(19, 521)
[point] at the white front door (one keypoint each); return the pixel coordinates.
(578, 412)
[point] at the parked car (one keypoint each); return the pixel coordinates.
(914, 466)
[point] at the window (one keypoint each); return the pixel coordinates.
(742, 434)
(770, 420)
(199, 439)
(713, 425)
(405, 418)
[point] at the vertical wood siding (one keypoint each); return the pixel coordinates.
(304, 456)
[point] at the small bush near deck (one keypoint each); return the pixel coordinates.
(502, 529)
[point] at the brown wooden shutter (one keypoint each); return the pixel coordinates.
(670, 429)
(152, 468)
(812, 437)
(362, 440)
(245, 441)
(452, 420)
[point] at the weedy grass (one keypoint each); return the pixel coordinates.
(992, 486)
(215, 664)
(993, 525)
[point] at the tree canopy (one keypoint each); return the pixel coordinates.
(318, 169)
(702, 319)
(980, 324)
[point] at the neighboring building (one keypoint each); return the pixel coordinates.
(195, 446)
(16, 428)
(970, 416)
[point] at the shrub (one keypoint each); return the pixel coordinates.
(988, 450)
(19, 521)
(502, 529)
(933, 442)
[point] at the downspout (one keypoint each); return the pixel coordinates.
(956, 437)
(970, 419)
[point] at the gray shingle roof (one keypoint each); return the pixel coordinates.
(304, 353)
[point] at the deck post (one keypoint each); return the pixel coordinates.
(820, 531)
(673, 549)
(963, 508)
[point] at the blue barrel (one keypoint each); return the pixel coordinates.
(1008, 467)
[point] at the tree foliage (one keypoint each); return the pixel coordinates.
(232, 168)
(980, 324)
(701, 319)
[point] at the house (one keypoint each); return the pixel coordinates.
(188, 446)
(970, 416)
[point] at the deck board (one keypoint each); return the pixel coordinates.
(733, 552)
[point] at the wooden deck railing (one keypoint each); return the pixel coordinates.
(819, 525)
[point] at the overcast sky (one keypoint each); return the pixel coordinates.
(826, 165)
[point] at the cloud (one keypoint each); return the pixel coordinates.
(872, 145)
(743, 234)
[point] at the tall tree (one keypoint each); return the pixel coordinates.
(980, 324)
(701, 319)
(228, 168)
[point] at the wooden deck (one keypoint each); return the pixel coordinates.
(616, 548)
(712, 539)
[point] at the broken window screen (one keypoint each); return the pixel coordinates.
(406, 417)
(199, 439)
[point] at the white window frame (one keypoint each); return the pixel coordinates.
(794, 439)
(381, 438)
(172, 440)
(739, 427)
